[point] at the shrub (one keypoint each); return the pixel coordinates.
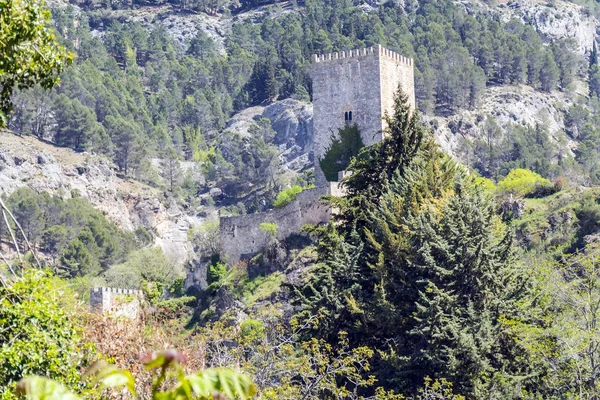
(252, 330)
(485, 184)
(214, 277)
(560, 183)
(343, 148)
(38, 336)
(270, 228)
(206, 239)
(176, 304)
(286, 196)
(524, 182)
(149, 264)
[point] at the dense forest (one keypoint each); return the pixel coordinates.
(135, 93)
(435, 279)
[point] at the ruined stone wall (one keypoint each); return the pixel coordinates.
(241, 237)
(117, 302)
(362, 81)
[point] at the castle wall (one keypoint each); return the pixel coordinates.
(241, 237)
(118, 302)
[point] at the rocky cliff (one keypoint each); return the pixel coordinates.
(25, 161)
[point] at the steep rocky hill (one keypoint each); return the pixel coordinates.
(43, 167)
(25, 161)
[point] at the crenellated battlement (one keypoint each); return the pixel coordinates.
(117, 291)
(364, 52)
(120, 302)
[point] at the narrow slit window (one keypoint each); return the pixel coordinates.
(350, 116)
(346, 116)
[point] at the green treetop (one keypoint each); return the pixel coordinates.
(29, 52)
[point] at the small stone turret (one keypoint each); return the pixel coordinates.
(118, 302)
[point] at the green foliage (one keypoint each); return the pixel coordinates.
(418, 268)
(486, 185)
(523, 182)
(77, 260)
(147, 264)
(78, 235)
(530, 147)
(203, 385)
(176, 304)
(252, 330)
(568, 301)
(270, 228)
(343, 148)
(177, 287)
(438, 389)
(38, 335)
(288, 195)
(29, 51)
(206, 239)
(153, 291)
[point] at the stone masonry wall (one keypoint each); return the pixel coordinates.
(241, 237)
(362, 81)
(117, 302)
(395, 71)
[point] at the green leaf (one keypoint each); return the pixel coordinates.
(37, 387)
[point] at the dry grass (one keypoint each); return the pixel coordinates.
(124, 342)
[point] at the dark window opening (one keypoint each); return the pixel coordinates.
(350, 116)
(346, 116)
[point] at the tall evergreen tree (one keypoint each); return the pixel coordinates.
(418, 269)
(468, 282)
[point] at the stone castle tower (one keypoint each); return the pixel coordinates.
(356, 87)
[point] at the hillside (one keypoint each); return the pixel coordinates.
(28, 162)
(458, 259)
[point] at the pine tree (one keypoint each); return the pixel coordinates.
(171, 168)
(333, 293)
(468, 281)
(416, 269)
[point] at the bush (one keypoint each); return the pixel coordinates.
(176, 304)
(149, 264)
(269, 227)
(343, 148)
(252, 330)
(524, 182)
(38, 336)
(560, 183)
(286, 196)
(485, 184)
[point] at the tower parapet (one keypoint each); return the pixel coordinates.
(364, 52)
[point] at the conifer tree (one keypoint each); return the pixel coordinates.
(593, 56)
(467, 283)
(417, 269)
